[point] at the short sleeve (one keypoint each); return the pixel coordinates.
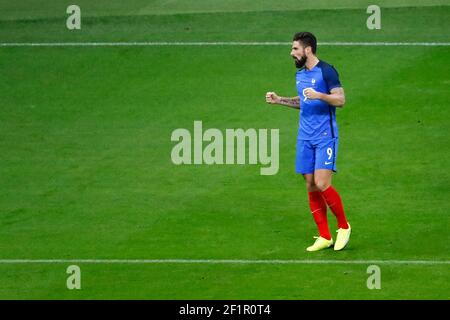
(331, 77)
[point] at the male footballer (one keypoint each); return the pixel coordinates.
(319, 94)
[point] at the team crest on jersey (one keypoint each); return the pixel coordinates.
(313, 81)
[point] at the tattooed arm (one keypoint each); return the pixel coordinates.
(273, 98)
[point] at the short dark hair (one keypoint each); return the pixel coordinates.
(307, 39)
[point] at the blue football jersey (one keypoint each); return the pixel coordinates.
(317, 118)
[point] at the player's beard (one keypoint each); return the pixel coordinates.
(300, 63)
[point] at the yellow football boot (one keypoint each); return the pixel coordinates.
(343, 236)
(321, 243)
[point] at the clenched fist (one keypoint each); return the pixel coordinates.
(312, 94)
(272, 97)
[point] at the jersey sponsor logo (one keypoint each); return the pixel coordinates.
(304, 95)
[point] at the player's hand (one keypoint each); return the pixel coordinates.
(272, 97)
(312, 94)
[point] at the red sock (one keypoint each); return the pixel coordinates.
(319, 212)
(334, 201)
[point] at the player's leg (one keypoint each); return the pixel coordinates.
(325, 154)
(318, 207)
(324, 167)
(322, 180)
(305, 166)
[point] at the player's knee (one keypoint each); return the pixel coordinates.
(310, 186)
(322, 185)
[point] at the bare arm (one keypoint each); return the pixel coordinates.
(335, 98)
(292, 102)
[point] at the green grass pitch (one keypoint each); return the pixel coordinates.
(85, 168)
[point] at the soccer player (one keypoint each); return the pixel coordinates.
(319, 94)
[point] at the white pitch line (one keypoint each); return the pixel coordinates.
(380, 44)
(220, 261)
(131, 44)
